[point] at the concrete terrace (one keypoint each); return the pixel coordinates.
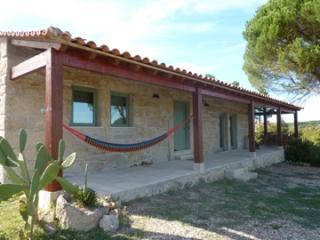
(130, 183)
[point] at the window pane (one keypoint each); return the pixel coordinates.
(222, 131)
(83, 107)
(119, 110)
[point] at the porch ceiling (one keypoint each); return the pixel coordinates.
(90, 54)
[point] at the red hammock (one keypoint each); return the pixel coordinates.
(118, 147)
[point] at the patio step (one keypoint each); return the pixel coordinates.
(242, 174)
(186, 156)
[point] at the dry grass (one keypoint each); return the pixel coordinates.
(283, 203)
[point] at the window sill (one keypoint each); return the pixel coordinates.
(77, 126)
(128, 127)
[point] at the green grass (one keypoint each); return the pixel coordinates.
(230, 203)
(11, 223)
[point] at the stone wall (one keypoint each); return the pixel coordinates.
(24, 101)
(3, 76)
(211, 111)
(150, 117)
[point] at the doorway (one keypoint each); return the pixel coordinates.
(182, 136)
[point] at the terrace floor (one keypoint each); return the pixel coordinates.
(130, 183)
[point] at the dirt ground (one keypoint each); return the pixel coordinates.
(283, 203)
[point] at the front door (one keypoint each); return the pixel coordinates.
(182, 136)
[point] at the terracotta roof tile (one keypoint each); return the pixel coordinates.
(53, 33)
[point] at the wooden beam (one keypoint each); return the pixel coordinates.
(115, 61)
(36, 44)
(226, 96)
(197, 127)
(92, 56)
(54, 107)
(284, 110)
(154, 72)
(295, 124)
(265, 122)
(279, 128)
(135, 67)
(101, 66)
(28, 66)
(251, 125)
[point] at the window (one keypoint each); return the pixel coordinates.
(120, 115)
(83, 107)
(233, 131)
(222, 131)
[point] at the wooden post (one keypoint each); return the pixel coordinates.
(197, 130)
(54, 107)
(251, 119)
(295, 123)
(265, 123)
(279, 130)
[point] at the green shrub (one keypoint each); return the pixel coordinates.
(302, 150)
(272, 131)
(311, 133)
(87, 197)
(315, 160)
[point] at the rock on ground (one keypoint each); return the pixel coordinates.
(75, 218)
(109, 223)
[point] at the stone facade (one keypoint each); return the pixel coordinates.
(3, 77)
(22, 103)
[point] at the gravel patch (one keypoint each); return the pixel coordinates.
(283, 203)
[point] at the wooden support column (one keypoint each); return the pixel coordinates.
(54, 107)
(265, 123)
(295, 124)
(279, 128)
(251, 125)
(197, 130)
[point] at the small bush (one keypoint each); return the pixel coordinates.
(300, 150)
(315, 160)
(87, 197)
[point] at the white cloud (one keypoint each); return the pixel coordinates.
(136, 26)
(116, 23)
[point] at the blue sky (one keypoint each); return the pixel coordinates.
(204, 36)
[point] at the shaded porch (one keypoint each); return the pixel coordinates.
(57, 52)
(143, 181)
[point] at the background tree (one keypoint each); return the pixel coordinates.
(283, 47)
(235, 84)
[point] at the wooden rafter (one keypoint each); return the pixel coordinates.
(36, 44)
(223, 95)
(103, 67)
(30, 65)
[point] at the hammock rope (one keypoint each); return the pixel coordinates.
(131, 147)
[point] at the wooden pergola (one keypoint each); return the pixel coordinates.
(55, 55)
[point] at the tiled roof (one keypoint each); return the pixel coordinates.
(55, 34)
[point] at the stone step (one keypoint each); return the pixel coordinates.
(241, 174)
(188, 156)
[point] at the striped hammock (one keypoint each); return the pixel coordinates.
(118, 147)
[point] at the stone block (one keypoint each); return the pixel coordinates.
(73, 217)
(241, 174)
(109, 223)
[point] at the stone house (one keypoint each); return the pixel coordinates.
(49, 78)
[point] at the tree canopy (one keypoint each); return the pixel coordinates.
(283, 47)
